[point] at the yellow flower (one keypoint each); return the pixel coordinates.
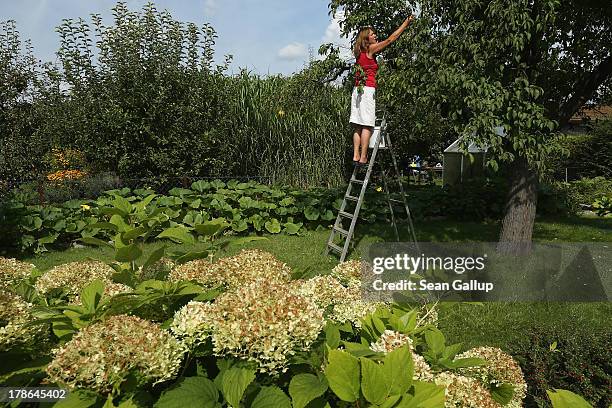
(379, 189)
(85, 207)
(281, 113)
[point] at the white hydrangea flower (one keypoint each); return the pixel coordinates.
(391, 340)
(191, 323)
(500, 368)
(351, 307)
(349, 272)
(261, 322)
(13, 271)
(101, 356)
(232, 272)
(464, 392)
(73, 277)
(16, 312)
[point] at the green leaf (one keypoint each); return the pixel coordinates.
(304, 388)
(196, 392)
(273, 226)
(342, 373)
(133, 233)
(373, 381)
(179, 234)
(435, 341)
(235, 381)
(271, 396)
(502, 393)
(566, 399)
(128, 253)
(77, 399)
(240, 225)
(212, 227)
(122, 204)
(92, 294)
(424, 395)
(95, 241)
(154, 257)
(291, 228)
(49, 239)
(398, 368)
(311, 213)
(332, 335)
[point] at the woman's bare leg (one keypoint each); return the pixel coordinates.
(356, 141)
(366, 133)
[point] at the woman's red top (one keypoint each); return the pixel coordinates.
(370, 67)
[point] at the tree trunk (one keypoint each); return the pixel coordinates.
(520, 210)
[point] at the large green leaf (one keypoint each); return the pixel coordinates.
(154, 257)
(291, 228)
(273, 226)
(179, 234)
(311, 213)
(196, 392)
(133, 233)
(566, 399)
(398, 368)
(95, 241)
(92, 294)
(122, 204)
(235, 381)
(128, 253)
(423, 395)
(342, 373)
(271, 396)
(374, 382)
(304, 388)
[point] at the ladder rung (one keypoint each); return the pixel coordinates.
(335, 247)
(346, 214)
(351, 198)
(354, 180)
(396, 201)
(341, 231)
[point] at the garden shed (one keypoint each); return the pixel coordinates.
(457, 164)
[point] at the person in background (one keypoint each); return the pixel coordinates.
(363, 106)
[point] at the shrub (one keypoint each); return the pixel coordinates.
(576, 361)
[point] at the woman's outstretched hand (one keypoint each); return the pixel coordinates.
(410, 19)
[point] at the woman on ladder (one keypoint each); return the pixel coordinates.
(363, 106)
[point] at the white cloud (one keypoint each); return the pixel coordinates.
(210, 7)
(293, 51)
(333, 35)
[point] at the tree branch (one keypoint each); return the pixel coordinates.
(584, 89)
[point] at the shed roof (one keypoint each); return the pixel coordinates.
(473, 147)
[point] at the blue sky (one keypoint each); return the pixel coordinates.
(265, 36)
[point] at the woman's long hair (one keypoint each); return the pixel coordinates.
(361, 44)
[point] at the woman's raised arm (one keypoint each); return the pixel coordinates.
(381, 45)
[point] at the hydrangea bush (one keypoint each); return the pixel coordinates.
(262, 320)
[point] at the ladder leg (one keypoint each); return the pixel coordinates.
(399, 181)
(385, 186)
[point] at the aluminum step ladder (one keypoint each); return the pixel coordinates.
(381, 140)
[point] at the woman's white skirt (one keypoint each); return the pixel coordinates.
(363, 106)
